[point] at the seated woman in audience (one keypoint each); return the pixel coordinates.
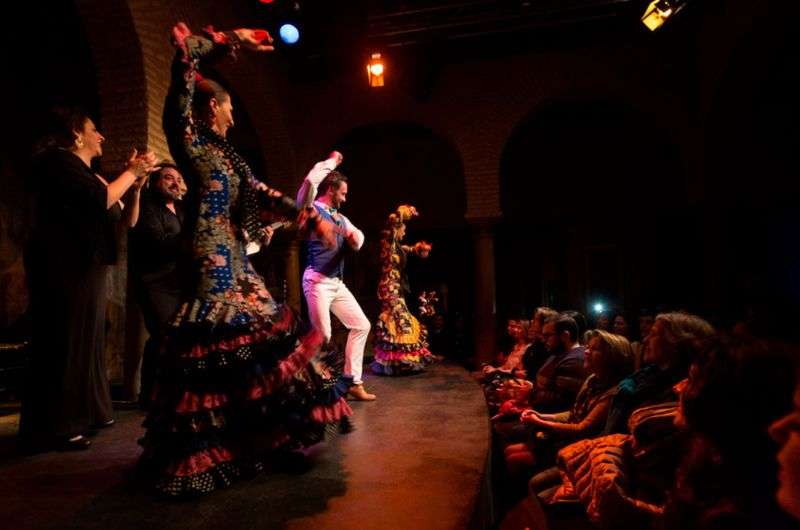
(672, 343)
(728, 477)
(645, 324)
(719, 445)
(620, 325)
(603, 321)
(518, 331)
(536, 354)
(607, 359)
(786, 432)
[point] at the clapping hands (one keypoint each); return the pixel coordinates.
(141, 166)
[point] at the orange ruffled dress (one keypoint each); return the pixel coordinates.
(401, 341)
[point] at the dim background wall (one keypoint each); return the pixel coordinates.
(692, 187)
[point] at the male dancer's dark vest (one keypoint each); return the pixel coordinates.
(324, 260)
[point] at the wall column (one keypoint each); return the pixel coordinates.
(485, 312)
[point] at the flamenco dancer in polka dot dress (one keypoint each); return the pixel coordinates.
(236, 386)
(401, 345)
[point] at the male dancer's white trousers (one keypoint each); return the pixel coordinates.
(326, 295)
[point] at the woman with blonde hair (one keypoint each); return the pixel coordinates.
(670, 347)
(608, 358)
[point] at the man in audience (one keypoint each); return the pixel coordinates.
(580, 320)
(562, 374)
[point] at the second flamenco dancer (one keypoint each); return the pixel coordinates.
(401, 345)
(236, 386)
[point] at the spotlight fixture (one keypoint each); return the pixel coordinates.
(289, 33)
(598, 307)
(375, 70)
(659, 11)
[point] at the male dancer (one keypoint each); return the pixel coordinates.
(323, 287)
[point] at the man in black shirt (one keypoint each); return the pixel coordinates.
(157, 247)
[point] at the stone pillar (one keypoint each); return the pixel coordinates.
(485, 312)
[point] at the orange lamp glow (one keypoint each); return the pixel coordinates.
(375, 70)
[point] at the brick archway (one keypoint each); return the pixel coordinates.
(584, 185)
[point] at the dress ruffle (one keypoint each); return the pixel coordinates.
(398, 352)
(234, 385)
(400, 363)
(401, 341)
(331, 413)
(263, 388)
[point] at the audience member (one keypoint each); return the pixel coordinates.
(645, 324)
(536, 354)
(673, 341)
(786, 432)
(607, 359)
(561, 376)
(727, 478)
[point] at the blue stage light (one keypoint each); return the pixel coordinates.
(289, 34)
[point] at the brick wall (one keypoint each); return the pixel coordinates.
(132, 55)
(478, 104)
(475, 105)
(123, 120)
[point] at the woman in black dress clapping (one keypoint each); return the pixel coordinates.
(72, 244)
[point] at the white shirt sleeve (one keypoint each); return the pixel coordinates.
(350, 229)
(308, 190)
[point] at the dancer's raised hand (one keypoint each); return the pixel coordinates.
(337, 157)
(258, 40)
(180, 32)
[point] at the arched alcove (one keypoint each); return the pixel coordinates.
(54, 67)
(752, 156)
(393, 163)
(592, 193)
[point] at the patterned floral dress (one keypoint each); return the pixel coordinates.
(401, 341)
(236, 386)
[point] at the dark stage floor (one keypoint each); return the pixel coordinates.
(416, 460)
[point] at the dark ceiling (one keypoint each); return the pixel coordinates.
(340, 32)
